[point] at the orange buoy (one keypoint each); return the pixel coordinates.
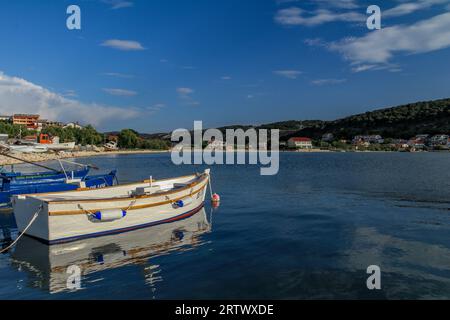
(215, 198)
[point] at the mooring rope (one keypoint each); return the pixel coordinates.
(210, 186)
(83, 209)
(131, 204)
(36, 214)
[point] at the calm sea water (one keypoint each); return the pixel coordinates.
(309, 232)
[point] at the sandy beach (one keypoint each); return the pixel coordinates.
(41, 157)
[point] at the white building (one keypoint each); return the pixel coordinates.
(300, 143)
(439, 140)
(73, 125)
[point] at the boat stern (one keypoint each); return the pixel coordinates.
(25, 207)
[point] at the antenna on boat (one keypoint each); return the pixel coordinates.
(64, 170)
(81, 164)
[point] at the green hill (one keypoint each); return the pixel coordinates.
(427, 117)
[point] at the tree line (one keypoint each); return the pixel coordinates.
(88, 135)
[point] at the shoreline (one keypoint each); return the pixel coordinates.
(43, 157)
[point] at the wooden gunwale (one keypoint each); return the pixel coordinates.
(188, 186)
(110, 187)
(135, 207)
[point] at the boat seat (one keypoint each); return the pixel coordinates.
(180, 185)
(141, 191)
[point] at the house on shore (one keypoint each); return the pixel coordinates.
(439, 140)
(300, 143)
(418, 143)
(328, 137)
(219, 145)
(75, 125)
(28, 120)
(360, 140)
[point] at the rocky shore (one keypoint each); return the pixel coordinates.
(41, 157)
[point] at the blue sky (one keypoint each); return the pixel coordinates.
(160, 65)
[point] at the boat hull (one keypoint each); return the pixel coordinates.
(29, 149)
(163, 218)
(66, 221)
(47, 265)
(60, 146)
(13, 179)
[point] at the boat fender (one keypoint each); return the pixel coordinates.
(183, 202)
(110, 215)
(215, 198)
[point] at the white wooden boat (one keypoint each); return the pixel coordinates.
(28, 148)
(60, 146)
(47, 265)
(69, 216)
(111, 146)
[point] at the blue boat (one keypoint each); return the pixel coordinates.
(45, 185)
(18, 178)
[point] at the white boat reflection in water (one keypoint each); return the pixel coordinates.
(47, 265)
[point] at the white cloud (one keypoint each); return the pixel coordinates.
(298, 17)
(321, 82)
(411, 7)
(120, 92)
(118, 4)
(124, 45)
(343, 4)
(70, 93)
(118, 75)
(226, 78)
(342, 11)
(364, 67)
(316, 42)
(378, 48)
(185, 95)
(156, 108)
(185, 91)
(18, 95)
(290, 74)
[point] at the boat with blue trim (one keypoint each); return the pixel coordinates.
(19, 178)
(38, 186)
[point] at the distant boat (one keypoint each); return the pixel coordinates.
(52, 143)
(34, 148)
(69, 216)
(19, 178)
(111, 146)
(60, 146)
(9, 189)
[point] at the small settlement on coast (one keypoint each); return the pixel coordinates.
(418, 143)
(36, 140)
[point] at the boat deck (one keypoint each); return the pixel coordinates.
(124, 191)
